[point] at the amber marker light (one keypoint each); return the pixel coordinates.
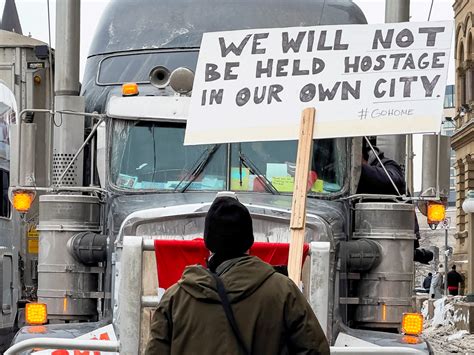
(36, 313)
(436, 212)
(22, 200)
(129, 89)
(412, 323)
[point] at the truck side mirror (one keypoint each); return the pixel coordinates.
(436, 161)
(23, 165)
(23, 143)
(432, 164)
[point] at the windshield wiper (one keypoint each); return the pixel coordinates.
(255, 171)
(198, 167)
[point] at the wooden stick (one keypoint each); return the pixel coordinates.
(298, 209)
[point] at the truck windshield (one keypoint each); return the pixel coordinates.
(151, 156)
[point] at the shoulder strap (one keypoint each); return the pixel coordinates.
(228, 312)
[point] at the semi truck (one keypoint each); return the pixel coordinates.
(24, 83)
(122, 188)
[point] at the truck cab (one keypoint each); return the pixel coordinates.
(350, 276)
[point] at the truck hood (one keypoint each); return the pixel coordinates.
(150, 214)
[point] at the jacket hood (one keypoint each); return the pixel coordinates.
(245, 276)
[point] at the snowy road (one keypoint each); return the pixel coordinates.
(448, 340)
(440, 332)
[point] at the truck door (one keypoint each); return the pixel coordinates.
(6, 274)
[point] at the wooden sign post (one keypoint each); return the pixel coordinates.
(298, 208)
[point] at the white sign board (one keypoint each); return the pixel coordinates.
(252, 85)
(104, 333)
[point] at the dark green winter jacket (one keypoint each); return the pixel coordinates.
(272, 314)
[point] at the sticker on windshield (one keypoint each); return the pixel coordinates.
(126, 181)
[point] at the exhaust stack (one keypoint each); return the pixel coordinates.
(69, 129)
(69, 288)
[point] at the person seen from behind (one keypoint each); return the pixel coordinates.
(239, 304)
(454, 279)
(436, 287)
(427, 282)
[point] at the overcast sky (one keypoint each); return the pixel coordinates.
(34, 21)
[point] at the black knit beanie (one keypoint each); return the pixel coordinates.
(228, 227)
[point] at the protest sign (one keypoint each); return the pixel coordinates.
(251, 85)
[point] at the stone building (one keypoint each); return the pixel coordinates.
(463, 138)
(434, 240)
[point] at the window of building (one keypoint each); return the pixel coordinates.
(449, 97)
(447, 130)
